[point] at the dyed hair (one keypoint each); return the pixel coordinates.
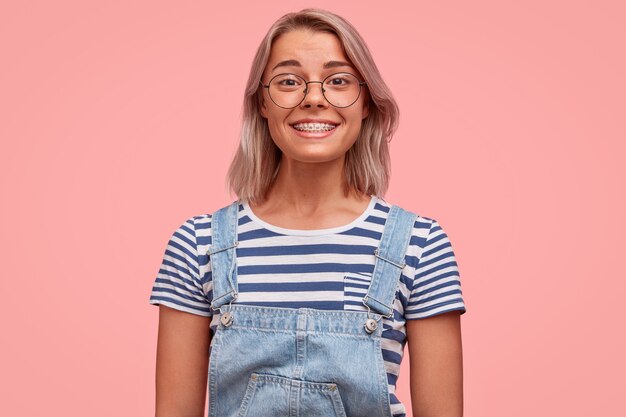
(367, 164)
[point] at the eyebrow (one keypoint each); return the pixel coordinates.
(295, 63)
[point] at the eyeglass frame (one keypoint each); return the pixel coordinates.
(306, 88)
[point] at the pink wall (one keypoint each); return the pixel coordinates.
(118, 119)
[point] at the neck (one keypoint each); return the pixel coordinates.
(311, 184)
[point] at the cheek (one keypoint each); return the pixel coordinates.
(354, 119)
(273, 119)
(276, 124)
(277, 130)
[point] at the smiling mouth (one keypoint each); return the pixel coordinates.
(314, 127)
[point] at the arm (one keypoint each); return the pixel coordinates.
(182, 363)
(436, 362)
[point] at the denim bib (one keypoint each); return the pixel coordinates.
(301, 362)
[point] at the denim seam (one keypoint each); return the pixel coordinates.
(309, 332)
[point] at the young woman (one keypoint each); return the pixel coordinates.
(297, 299)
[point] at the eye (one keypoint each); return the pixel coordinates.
(340, 80)
(286, 82)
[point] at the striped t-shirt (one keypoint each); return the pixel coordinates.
(328, 269)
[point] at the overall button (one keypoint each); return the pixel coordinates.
(370, 325)
(226, 319)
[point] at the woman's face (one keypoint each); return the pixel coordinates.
(304, 53)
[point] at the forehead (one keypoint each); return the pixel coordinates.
(310, 48)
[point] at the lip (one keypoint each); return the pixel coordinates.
(315, 135)
(331, 122)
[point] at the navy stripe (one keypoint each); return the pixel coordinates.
(306, 250)
(184, 291)
(391, 356)
(291, 286)
(321, 305)
(434, 306)
(302, 268)
(420, 294)
(179, 303)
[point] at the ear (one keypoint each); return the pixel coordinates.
(366, 105)
(263, 108)
(366, 108)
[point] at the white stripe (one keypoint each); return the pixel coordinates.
(295, 296)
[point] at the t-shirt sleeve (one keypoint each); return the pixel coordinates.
(436, 287)
(177, 284)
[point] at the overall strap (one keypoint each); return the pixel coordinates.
(222, 254)
(390, 261)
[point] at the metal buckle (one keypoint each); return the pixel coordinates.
(371, 324)
(399, 265)
(227, 318)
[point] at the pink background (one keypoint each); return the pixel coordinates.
(118, 120)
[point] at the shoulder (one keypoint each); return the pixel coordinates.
(422, 231)
(201, 225)
(422, 224)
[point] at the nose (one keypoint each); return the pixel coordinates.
(314, 96)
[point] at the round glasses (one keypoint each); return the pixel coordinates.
(289, 90)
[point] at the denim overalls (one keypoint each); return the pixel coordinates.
(304, 362)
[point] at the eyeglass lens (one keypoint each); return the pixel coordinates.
(288, 90)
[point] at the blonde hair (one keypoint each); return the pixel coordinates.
(367, 164)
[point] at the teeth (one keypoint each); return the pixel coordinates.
(311, 127)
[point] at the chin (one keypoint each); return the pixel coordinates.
(312, 157)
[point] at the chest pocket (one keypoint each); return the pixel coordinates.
(355, 285)
(269, 396)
